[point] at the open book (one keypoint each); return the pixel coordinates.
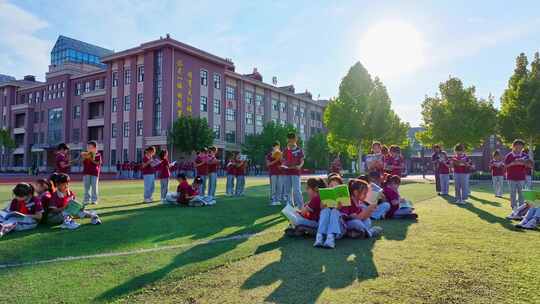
(532, 197)
(73, 208)
(331, 196)
(5, 215)
(155, 162)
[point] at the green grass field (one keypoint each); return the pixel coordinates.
(452, 254)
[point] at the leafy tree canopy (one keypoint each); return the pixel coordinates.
(256, 146)
(190, 134)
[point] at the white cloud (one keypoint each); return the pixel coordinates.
(21, 51)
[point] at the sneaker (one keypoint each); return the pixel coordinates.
(210, 203)
(275, 204)
(375, 231)
(69, 225)
(355, 234)
(330, 241)
(515, 214)
(95, 220)
(319, 240)
(531, 224)
(148, 200)
(94, 203)
(85, 203)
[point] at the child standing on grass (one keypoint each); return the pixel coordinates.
(148, 173)
(357, 216)
(462, 167)
(395, 162)
(497, 173)
(60, 200)
(27, 206)
(230, 169)
(91, 168)
(201, 166)
(517, 164)
(213, 164)
(530, 170)
(273, 163)
(240, 174)
(164, 173)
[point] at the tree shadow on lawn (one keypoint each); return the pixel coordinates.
(304, 272)
(140, 228)
(190, 257)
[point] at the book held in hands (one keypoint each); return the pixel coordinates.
(332, 196)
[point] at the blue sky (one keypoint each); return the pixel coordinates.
(411, 45)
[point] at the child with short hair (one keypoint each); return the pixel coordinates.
(201, 166)
(309, 213)
(497, 172)
(357, 216)
(60, 200)
(443, 172)
(395, 162)
(91, 167)
(240, 174)
(462, 168)
(24, 212)
(273, 163)
(188, 195)
(213, 164)
(230, 169)
(530, 170)
(399, 207)
(382, 205)
(164, 173)
(375, 160)
(148, 172)
(44, 191)
(517, 164)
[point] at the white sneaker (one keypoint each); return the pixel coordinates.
(319, 239)
(70, 225)
(531, 224)
(375, 231)
(515, 215)
(210, 203)
(330, 241)
(95, 220)
(275, 204)
(148, 200)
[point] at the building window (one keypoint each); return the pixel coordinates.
(140, 73)
(258, 120)
(55, 126)
(248, 97)
(78, 88)
(139, 155)
(229, 114)
(217, 106)
(76, 136)
(86, 87)
(97, 84)
(127, 103)
(230, 136)
(204, 78)
(139, 127)
(275, 104)
(113, 157)
(127, 76)
(114, 79)
(126, 129)
(259, 100)
(302, 112)
(249, 118)
(140, 101)
(217, 131)
(62, 94)
(158, 87)
(114, 104)
(230, 93)
(76, 112)
(126, 155)
(42, 116)
(36, 117)
(282, 107)
(204, 104)
(63, 84)
(217, 81)
(114, 130)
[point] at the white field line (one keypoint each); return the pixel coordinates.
(137, 251)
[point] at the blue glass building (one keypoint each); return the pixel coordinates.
(71, 50)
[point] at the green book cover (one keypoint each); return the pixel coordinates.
(331, 196)
(73, 208)
(532, 197)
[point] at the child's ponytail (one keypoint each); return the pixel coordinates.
(316, 183)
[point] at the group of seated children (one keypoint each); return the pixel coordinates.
(189, 195)
(368, 201)
(49, 202)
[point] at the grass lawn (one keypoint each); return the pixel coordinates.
(452, 254)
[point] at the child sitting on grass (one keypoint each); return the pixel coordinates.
(330, 226)
(24, 212)
(532, 217)
(44, 192)
(306, 220)
(60, 200)
(399, 207)
(357, 215)
(189, 195)
(383, 206)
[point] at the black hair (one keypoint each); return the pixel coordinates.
(291, 135)
(316, 183)
(62, 179)
(363, 177)
(182, 176)
(373, 175)
(197, 180)
(162, 153)
(276, 144)
(54, 178)
(45, 183)
(459, 148)
(356, 184)
(334, 177)
(23, 189)
(62, 146)
(92, 143)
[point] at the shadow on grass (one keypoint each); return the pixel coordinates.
(484, 201)
(304, 272)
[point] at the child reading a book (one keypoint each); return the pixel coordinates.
(395, 162)
(24, 212)
(230, 169)
(213, 163)
(399, 207)
(383, 206)
(375, 160)
(532, 209)
(334, 179)
(306, 220)
(63, 208)
(273, 163)
(462, 168)
(188, 195)
(148, 172)
(164, 173)
(44, 192)
(91, 168)
(357, 214)
(517, 164)
(497, 173)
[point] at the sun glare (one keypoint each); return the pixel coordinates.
(390, 49)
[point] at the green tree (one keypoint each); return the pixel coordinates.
(520, 103)
(256, 146)
(317, 152)
(190, 134)
(6, 141)
(353, 119)
(456, 116)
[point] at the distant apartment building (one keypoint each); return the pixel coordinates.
(128, 100)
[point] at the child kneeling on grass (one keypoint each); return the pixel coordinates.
(399, 207)
(24, 212)
(60, 200)
(357, 215)
(189, 195)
